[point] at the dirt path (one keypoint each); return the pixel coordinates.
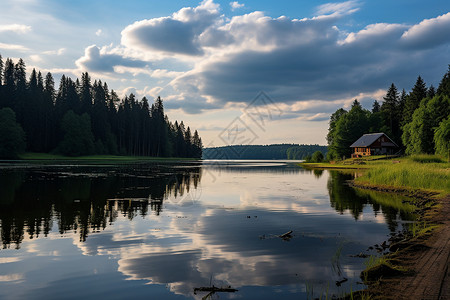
(428, 262)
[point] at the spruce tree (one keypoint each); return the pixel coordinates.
(1, 71)
(9, 86)
(418, 92)
(431, 92)
(389, 110)
(375, 106)
(444, 85)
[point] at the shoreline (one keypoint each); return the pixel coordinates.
(424, 258)
(417, 266)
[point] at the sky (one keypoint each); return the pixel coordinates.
(240, 72)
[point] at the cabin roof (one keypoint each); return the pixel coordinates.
(368, 139)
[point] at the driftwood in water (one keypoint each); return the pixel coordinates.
(286, 235)
(215, 289)
(212, 290)
(339, 282)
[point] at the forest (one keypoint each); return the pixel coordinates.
(418, 121)
(82, 117)
(274, 151)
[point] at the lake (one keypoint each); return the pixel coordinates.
(160, 230)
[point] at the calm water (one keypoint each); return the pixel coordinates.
(157, 231)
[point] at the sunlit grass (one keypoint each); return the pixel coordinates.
(418, 172)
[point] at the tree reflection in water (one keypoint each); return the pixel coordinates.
(85, 199)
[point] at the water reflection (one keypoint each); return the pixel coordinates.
(343, 198)
(85, 198)
(161, 230)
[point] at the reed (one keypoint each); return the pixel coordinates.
(426, 172)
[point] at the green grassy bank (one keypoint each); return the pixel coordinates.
(424, 172)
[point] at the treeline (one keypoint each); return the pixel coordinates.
(98, 204)
(419, 122)
(275, 151)
(83, 118)
(305, 152)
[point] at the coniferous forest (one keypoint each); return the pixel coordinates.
(418, 121)
(82, 117)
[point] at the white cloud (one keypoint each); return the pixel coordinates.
(236, 5)
(13, 47)
(177, 34)
(98, 32)
(36, 58)
(16, 28)
(99, 60)
(376, 34)
(204, 61)
(60, 51)
(347, 7)
(428, 33)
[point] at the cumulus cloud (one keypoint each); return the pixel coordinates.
(228, 61)
(236, 5)
(98, 32)
(16, 28)
(428, 33)
(177, 34)
(98, 60)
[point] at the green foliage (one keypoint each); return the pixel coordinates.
(12, 136)
(418, 135)
(411, 174)
(304, 151)
(413, 100)
(346, 129)
(444, 85)
(317, 157)
(78, 138)
(128, 127)
(391, 114)
(423, 114)
(425, 158)
(442, 138)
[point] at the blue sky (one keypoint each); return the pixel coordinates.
(210, 59)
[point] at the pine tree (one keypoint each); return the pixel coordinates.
(418, 92)
(1, 81)
(431, 92)
(197, 145)
(9, 86)
(1, 71)
(49, 115)
(390, 112)
(444, 85)
(86, 93)
(356, 103)
(375, 107)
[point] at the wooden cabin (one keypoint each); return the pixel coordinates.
(373, 144)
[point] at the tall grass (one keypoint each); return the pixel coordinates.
(418, 172)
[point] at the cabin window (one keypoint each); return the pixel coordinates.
(382, 139)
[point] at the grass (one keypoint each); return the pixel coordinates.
(411, 172)
(424, 172)
(373, 261)
(421, 228)
(96, 158)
